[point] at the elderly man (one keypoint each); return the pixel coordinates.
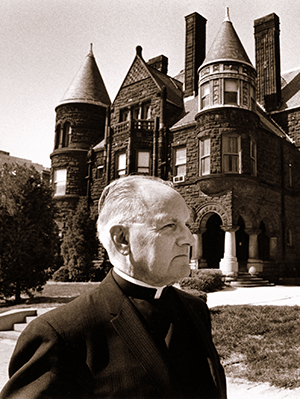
(135, 336)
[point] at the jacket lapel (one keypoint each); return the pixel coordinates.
(129, 326)
(212, 356)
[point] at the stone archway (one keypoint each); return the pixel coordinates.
(242, 245)
(213, 241)
(215, 217)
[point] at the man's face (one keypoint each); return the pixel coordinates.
(159, 247)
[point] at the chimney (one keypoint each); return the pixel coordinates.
(160, 63)
(267, 57)
(195, 36)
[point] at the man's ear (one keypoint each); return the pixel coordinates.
(119, 236)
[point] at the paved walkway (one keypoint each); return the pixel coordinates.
(275, 295)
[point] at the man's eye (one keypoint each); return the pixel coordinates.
(170, 225)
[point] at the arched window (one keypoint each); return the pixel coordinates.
(57, 136)
(66, 134)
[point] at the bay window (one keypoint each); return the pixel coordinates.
(204, 157)
(230, 91)
(231, 152)
(205, 91)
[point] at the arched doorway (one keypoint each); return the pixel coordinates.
(213, 242)
(242, 245)
(263, 243)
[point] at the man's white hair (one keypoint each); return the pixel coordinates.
(123, 202)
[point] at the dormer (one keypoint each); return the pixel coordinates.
(227, 77)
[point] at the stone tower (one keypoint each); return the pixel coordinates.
(80, 124)
(227, 124)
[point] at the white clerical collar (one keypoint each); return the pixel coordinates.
(133, 280)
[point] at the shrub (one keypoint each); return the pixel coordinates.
(62, 274)
(80, 244)
(206, 280)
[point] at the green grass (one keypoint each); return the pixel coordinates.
(259, 343)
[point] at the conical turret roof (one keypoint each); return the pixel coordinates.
(87, 85)
(226, 46)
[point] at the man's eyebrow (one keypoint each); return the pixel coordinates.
(163, 218)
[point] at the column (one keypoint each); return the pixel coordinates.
(229, 264)
(254, 264)
(197, 251)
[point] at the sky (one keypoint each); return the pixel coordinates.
(43, 44)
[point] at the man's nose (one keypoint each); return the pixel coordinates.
(186, 237)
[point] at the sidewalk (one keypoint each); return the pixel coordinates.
(277, 295)
(271, 295)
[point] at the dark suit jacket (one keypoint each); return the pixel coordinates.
(97, 347)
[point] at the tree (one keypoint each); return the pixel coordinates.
(28, 232)
(80, 244)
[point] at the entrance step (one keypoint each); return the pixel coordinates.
(12, 323)
(248, 280)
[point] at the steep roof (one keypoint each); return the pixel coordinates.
(226, 46)
(87, 85)
(290, 89)
(140, 70)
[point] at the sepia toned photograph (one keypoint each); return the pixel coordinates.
(149, 199)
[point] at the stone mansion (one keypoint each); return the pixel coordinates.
(225, 132)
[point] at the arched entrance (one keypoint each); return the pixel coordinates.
(242, 245)
(213, 241)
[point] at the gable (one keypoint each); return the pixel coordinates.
(137, 72)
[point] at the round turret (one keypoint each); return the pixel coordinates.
(80, 125)
(227, 77)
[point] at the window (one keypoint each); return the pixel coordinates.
(143, 162)
(252, 98)
(231, 154)
(230, 91)
(57, 136)
(124, 115)
(205, 95)
(180, 161)
(204, 157)
(66, 134)
(146, 111)
(253, 157)
(121, 165)
(136, 112)
(289, 238)
(60, 181)
(99, 172)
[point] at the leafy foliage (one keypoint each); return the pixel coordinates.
(206, 280)
(80, 244)
(28, 233)
(259, 343)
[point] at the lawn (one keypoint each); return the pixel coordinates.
(259, 343)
